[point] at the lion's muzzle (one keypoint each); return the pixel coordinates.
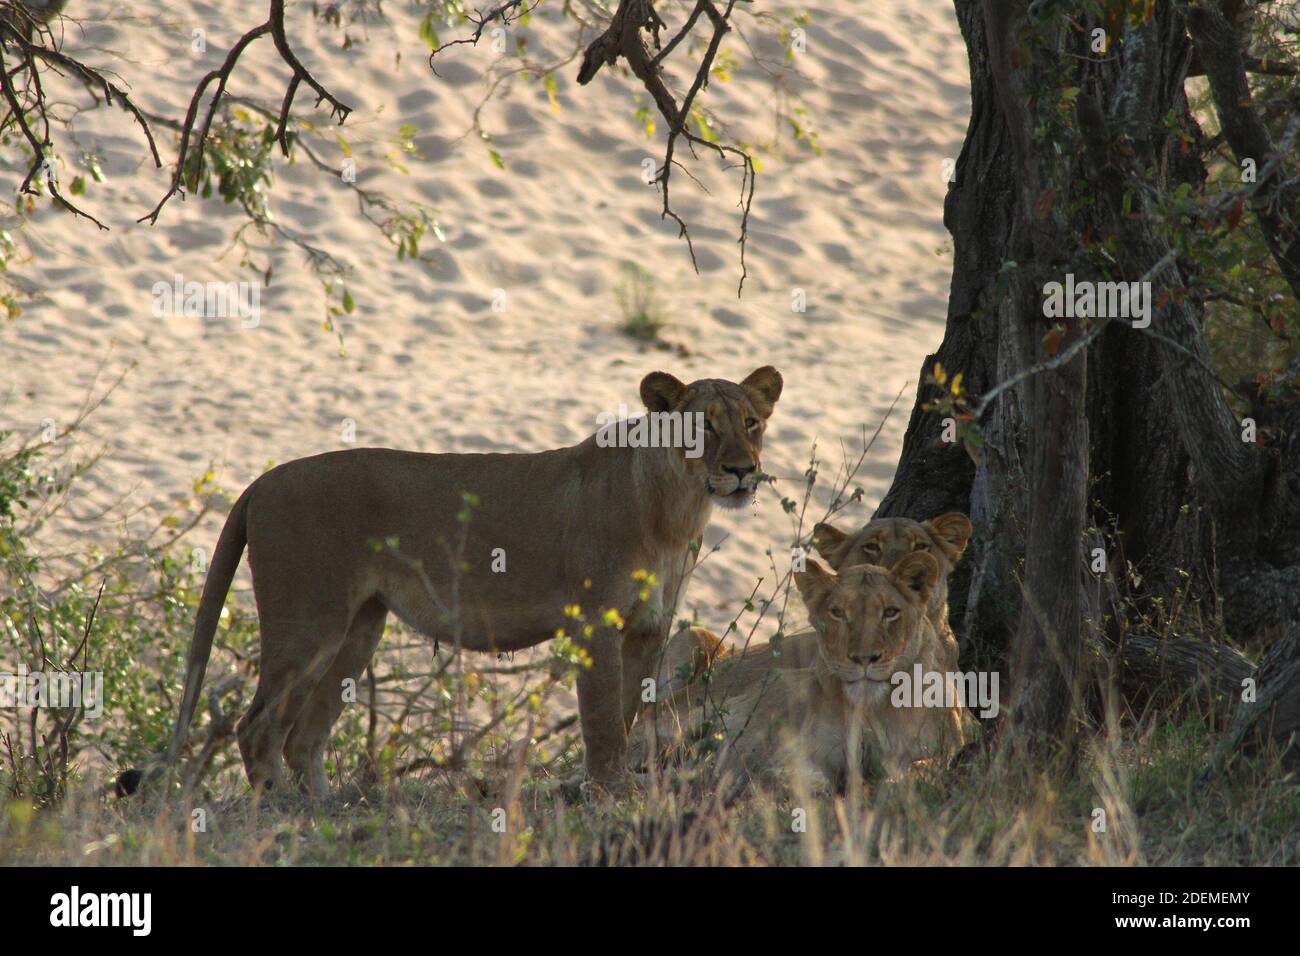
(733, 485)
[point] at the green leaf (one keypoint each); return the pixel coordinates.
(427, 33)
(551, 86)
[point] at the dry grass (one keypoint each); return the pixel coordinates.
(1159, 809)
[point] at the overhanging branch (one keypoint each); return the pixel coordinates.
(622, 39)
(274, 26)
(27, 34)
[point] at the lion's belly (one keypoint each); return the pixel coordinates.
(481, 619)
(521, 606)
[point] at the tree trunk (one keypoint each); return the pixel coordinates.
(1130, 445)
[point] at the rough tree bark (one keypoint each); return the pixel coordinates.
(1130, 445)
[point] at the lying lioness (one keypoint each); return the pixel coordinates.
(339, 540)
(688, 654)
(885, 541)
(834, 716)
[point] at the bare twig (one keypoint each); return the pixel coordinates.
(507, 13)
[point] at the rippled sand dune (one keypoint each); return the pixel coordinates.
(430, 363)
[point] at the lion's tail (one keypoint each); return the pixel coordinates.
(221, 571)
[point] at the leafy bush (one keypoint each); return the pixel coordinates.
(123, 614)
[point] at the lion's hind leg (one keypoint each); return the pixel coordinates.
(297, 651)
(304, 750)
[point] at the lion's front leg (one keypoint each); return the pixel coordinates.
(604, 734)
(644, 635)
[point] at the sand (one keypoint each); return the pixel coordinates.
(429, 363)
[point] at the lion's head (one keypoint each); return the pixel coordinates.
(886, 541)
(733, 417)
(868, 617)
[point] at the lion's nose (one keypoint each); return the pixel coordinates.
(740, 471)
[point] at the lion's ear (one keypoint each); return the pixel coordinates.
(814, 584)
(661, 392)
(916, 574)
(763, 386)
(827, 539)
(951, 532)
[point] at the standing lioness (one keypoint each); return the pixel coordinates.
(549, 530)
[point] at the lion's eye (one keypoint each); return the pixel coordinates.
(871, 548)
(889, 613)
(920, 546)
(708, 426)
(752, 423)
(836, 614)
(873, 658)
